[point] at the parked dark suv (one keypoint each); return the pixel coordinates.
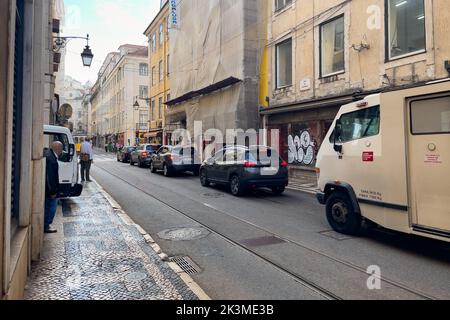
(172, 160)
(244, 168)
(124, 154)
(143, 155)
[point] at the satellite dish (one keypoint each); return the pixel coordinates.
(65, 111)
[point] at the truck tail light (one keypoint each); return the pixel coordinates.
(284, 164)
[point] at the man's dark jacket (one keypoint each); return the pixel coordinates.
(52, 179)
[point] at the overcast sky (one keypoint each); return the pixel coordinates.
(110, 23)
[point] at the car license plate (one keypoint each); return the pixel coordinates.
(269, 171)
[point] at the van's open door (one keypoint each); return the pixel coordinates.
(429, 163)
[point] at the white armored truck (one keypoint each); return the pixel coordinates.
(68, 162)
(386, 159)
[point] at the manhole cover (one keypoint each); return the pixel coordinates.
(213, 195)
(186, 264)
(183, 234)
(136, 276)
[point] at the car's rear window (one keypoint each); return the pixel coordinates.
(131, 149)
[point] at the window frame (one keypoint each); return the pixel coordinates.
(161, 71)
(143, 69)
(361, 138)
(141, 87)
(321, 74)
(161, 34)
(284, 6)
(153, 76)
(411, 116)
(154, 42)
(152, 109)
(387, 35)
(277, 86)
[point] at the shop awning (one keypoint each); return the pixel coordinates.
(206, 90)
(309, 104)
(153, 134)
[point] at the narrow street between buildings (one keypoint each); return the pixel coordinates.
(271, 247)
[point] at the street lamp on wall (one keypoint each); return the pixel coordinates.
(86, 55)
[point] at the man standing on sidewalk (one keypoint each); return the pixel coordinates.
(86, 158)
(52, 185)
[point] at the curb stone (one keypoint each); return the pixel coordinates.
(187, 279)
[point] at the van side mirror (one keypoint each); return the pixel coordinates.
(337, 134)
(71, 150)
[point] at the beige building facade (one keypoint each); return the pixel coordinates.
(119, 108)
(26, 93)
(323, 54)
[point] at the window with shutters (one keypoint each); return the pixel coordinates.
(17, 115)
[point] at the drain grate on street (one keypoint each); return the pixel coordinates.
(214, 195)
(186, 264)
(334, 235)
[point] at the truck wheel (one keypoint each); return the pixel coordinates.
(341, 215)
(236, 187)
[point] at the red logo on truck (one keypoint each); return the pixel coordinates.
(368, 156)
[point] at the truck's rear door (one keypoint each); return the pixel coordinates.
(429, 163)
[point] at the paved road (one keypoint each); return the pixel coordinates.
(268, 247)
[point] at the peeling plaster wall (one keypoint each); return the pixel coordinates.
(365, 70)
(217, 39)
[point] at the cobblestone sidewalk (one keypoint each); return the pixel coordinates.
(97, 256)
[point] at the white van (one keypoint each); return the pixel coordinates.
(386, 159)
(68, 162)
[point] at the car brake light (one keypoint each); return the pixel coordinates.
(144, 154)
(249, 164)
(284, 164)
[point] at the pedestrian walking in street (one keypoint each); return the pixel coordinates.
(86, 159)
(52, 185)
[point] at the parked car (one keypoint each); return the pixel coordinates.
(243, 169)
(124, 154)
(172, 160)
(143, 155)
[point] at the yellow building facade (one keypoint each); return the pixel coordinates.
(159, 75)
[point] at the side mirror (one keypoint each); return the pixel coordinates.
(71, 150)
(337, 134)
